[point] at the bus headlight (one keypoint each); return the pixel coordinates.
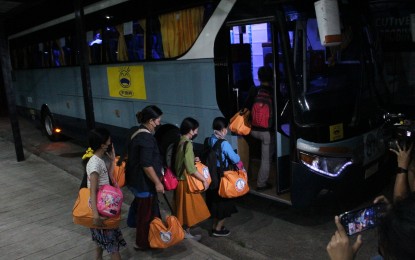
(329, 166)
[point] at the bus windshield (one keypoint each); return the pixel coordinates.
(330, 85)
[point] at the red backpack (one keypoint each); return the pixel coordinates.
(262, 110)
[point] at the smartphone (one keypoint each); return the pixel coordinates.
(356, 221)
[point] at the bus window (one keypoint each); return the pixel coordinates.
(178, 30)
(95, 46)
(156, 46)
(57, 53)
(110, 34)
(135, 41)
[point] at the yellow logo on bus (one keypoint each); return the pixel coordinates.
(336, 132)
(126, 82)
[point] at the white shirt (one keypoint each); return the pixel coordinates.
(96, 164)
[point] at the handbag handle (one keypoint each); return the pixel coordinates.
(243, 111)
(168, 203)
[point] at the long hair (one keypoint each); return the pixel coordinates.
(188, 124)
(148, 113)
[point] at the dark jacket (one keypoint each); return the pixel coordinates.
(143, 151)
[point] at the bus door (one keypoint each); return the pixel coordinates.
(252, 45)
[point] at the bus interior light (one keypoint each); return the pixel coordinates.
(327, 166)
(57, 130)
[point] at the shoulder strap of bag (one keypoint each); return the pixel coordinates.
(141, 130)
(122, 156)
(218, 150)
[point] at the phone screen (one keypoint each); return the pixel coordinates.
(362, 219)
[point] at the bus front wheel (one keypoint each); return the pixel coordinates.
(49, 127)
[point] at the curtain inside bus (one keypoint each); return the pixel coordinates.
(180, 29)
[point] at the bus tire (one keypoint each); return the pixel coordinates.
(48, 124)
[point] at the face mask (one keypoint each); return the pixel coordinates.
(194, 137)
(109, 149)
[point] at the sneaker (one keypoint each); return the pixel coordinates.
(221, 233)
(213, 230)
(190, 236)
(266, 187)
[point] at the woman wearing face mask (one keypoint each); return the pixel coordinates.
(144, 169)
(191, 208)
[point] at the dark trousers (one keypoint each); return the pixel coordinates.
(147, 209)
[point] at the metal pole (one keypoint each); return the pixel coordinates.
(84, 63)
(10, 97)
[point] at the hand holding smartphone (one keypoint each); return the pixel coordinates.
(356, 221)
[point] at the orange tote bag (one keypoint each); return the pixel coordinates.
(239, 123)
(233, 184)
(194, 185)
(82, 212)
(119, 171)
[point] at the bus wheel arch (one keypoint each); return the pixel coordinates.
(48, 124)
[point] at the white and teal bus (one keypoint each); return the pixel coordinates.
(199, 59)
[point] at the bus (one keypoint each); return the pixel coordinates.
(199, 59)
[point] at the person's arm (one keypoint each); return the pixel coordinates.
(189, 164)
(151, 174)
(339, 247)
(401, 188)
(230, 153)
(146, 159)
(93, 179)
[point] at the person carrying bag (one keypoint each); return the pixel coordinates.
(191, 208)
(144, 173)
(98, 161)
(220, 207)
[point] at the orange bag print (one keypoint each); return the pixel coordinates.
(82, 212)
(119, 172)
(239, 123)
(234, 183)
(194, 185)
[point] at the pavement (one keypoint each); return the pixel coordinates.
(36, 213)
